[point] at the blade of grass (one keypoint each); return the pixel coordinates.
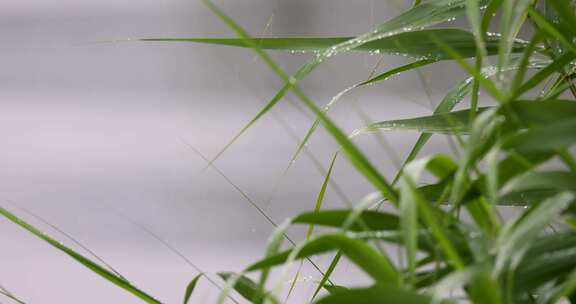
(190, 287)
(426, 14)
(94, 267)
(317, 207)
(415, 44)
(75, 241)
(547, 180)
(5, 292)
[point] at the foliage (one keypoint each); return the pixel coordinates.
(456, 248)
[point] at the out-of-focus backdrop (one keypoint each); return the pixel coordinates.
(101, 139)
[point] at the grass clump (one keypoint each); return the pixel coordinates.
(455, 247)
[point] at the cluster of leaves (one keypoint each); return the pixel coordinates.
(456, 248)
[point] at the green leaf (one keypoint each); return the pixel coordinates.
(190, 287)
(327, 275)
(245, 286)
(398, 70)
(370, 261)
(94, 267)
(415, 44)
(376, 294)
(544, 138)
(547, 180)
(371, 220)
(443, 123)
(317, 207)
(531, 113)
(484, 289)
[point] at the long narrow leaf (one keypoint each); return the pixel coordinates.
(94, 267)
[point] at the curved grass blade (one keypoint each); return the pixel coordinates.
(325, 278)
(554, 67)
(398, 70)
(75, 241)
(376, 294)
(425, 14)
(374, 264)
(104, 273)
(245, 286)
(416, 44)
(190, 287)
(445, 123)
(317, 207)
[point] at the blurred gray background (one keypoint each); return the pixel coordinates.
(95, 138)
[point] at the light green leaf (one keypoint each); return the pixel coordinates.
(190, 287)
